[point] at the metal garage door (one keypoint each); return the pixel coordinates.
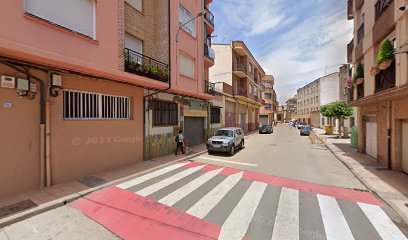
(243, 122)
(371, 137)
(404, 135)
(263, 120)
(194, 130)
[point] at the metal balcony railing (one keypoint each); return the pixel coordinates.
(360, 33)
(385, 79)
(210, 88)
(140, 64)
(360, 90)
(242, 68)
(209, 52)
(209, 17)
(381, 6)
(241, 92)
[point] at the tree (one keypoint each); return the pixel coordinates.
(337, 110)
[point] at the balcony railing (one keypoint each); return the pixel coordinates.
(350, 94)
(360, 33)
(381, 6)
(210, 88)
(241, 92)
(256, 98)
(140, 64)
(256, 79)
(226, 88)
(242, 68)
(360, 90)
(350, 48)
(209, 52)
(385, 79)
(209, 17)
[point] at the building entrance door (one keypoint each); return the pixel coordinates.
(404, 135)
(371, 137)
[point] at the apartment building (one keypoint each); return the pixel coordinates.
(312, 96)
(267, 113)
(382, 97)
(291, 108)
(236, 66)
(77, 97)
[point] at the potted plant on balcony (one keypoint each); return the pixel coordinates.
(386, 55)
(349, 82)
(374, 70)
(358, 76)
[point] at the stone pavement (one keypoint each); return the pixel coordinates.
(22, 206)
(390, 186)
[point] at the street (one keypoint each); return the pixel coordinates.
(280, 186)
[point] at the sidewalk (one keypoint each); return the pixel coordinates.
(390, 186)
(22, 206)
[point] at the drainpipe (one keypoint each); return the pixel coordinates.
(389, 134)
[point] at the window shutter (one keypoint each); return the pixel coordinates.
(186, 66)
(76, 15)
(133, 43)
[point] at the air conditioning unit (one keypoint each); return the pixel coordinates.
(8, 82)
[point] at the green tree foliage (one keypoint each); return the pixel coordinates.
(386, 52)
(338, 110)
(359, 72)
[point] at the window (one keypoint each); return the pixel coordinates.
(250, 89)
(185, 16)
(138, 4)
(75, 15)
(250, 68)
(86, 106)
(268, 95)
(215, 115)
(186, 66)
(164, 113)
(133, 43)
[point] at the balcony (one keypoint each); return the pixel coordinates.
(350, 48)
(227, 89)
(209, 52)
(350, 94)
(384, 20)
(240, 91)
(140, 64)
(360, 33)
(209, 88)
(358, 51)
(209, 17)
(240, 70)
(350, 12)
(256, 79)
(360, 90)
(385, 79)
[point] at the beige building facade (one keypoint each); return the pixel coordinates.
(267, 113)
(382, 98)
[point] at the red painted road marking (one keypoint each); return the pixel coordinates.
(131, 216)
(341, 193)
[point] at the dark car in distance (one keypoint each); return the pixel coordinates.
(305, 130)
(300, 125)
(266, 129)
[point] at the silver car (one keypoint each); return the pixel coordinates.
(226, 140)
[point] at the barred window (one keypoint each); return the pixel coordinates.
(80, 105)
(215, 115)
(164, 113)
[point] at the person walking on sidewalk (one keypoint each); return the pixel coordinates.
(180, 142)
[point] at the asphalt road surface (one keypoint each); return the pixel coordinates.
(279, 187)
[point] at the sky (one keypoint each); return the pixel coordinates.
(296, 41)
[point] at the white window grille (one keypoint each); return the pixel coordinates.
(75, 15)
(80, 105)
(184, 17)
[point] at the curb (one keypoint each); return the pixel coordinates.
(20, 216)
(364, 182)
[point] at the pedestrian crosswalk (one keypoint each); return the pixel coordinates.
(247, 208)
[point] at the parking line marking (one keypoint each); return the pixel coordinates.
(226, 161)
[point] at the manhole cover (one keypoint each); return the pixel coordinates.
(92, 181)
(16, 207)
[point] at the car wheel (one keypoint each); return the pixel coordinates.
(210, 152)
(242, 144)
(232, 150)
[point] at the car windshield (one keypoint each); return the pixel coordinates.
(266, 126)
(224, 133)
(306, 128)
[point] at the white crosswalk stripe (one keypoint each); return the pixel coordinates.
(287, 216)
(381, 222)
(166, 182)
(208, 202)
(285, 221)
(149, 176)
(238, 221)
(335, 224)
(180, 193)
